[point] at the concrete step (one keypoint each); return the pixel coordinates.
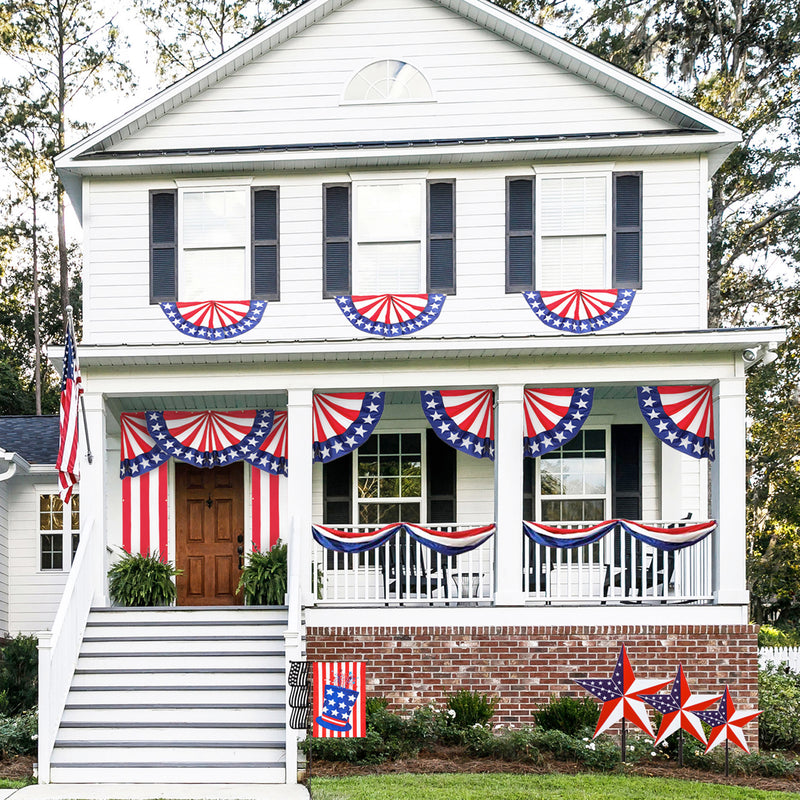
(168, 752)
(171, 695)
(219, 773)
(198, 645)
(198, 614)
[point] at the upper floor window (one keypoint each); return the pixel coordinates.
(214, 244)
(574, 232)
(59, 531)
(384, 237)
(386, 82)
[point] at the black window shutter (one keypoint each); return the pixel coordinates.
(441, 237)
(528, 476)
(265, 275)
(519, 234)
(163, 245)
(336, 229)
(626, 471)
(441, 478)
(337, 491)
(627, 243)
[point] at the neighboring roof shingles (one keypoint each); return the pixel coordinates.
(34, 438)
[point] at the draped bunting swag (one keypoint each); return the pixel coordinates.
(139, 453)
(271, 456)
(343, 422)
(658, 536)
(680, 416)
(448, 543)
(462, 419)
(581, 310)
(215, 320)
(553, 417)
(391, 315)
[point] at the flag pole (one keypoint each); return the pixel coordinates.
(71, 326)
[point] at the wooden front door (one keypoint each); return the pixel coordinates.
(209, 534)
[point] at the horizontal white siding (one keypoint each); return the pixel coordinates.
(34, 593)
(116, 279)
(4, 537)
(482, 86)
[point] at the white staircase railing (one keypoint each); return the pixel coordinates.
(59, 648)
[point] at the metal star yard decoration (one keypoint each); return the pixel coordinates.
(679, 708)
(620, 696)
(727, 723)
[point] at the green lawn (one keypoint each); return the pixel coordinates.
(528, 787)
(7, 783)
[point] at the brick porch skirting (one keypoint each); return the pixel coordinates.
(525, 666)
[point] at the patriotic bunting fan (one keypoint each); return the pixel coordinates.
(391, 314)
(209, 438)
(215, 320)
(581, 310)
(553, 417)
(665, 538)
(551, 536)
(354, 541)
(343, 422)
(139, 453)
(450, 543)
(272, 455)
(681, 416)
(462, 419)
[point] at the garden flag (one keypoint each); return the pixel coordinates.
(727, 723)
(339, 708)
(621, 696)
(679, 708)
(71, 390)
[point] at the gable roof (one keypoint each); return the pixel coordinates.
(682, 117)
(34, 438)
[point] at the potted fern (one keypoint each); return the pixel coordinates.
(142, 581)
(264, 580)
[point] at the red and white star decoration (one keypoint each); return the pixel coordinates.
(727, 723)
(621, 696)
(679, 707)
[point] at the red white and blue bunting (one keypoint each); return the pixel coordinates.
(448, 543)
(462, 419)
(342, 422)
(663, 537)
(391, 314)
(209, 438)
(138, 452)
(581, 310)
(215, 320)
(553, 417)
(271, 456)
(680, 416)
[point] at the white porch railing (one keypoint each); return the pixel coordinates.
(617, 569)
(403, 572)
(59, 648)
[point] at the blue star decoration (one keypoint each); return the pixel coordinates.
(337, 708)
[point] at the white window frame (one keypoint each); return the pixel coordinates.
(423, 498)
(607, 497)
(421, 183)
(66, 532)
(187, 187)
(387, 101)
(604, 171)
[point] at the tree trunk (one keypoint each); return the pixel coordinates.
(62, 233)
(37, 339)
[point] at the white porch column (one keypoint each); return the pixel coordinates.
(728, 493)
(299, 556)
(508, 495)
(92, 487)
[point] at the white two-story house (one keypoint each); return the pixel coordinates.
(420, 289)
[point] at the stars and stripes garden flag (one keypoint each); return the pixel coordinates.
(68, 427)
(339, 708)
(727, 723)
(621, 696)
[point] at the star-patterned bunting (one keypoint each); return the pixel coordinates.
(727, 723)
(553, 416)
(580, 310)
(681, 416)
(621, 696)
(215, 320)
(679, 708)
(391, 315)
(343, 421)
(462, 419)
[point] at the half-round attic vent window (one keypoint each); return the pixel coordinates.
(388, 81)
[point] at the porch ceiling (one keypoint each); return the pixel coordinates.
(200, 402)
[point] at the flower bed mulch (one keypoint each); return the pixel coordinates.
(453, 759)
(17, 768)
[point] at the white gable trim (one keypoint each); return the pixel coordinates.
(483, 13)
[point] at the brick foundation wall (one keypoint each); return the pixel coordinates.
(524, 666)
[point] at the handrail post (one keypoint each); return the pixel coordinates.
(46, 710)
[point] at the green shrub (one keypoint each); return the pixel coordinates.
(142, 581)
(779, 700)
(785, 636)
(265, 578)
(371, 749)
(471, 708)
(18, 734)
(19, 674)
(568, 715)
(375, 704)
(507, 745)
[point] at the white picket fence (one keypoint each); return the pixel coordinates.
(779, 654)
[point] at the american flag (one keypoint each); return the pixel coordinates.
(71, 390)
